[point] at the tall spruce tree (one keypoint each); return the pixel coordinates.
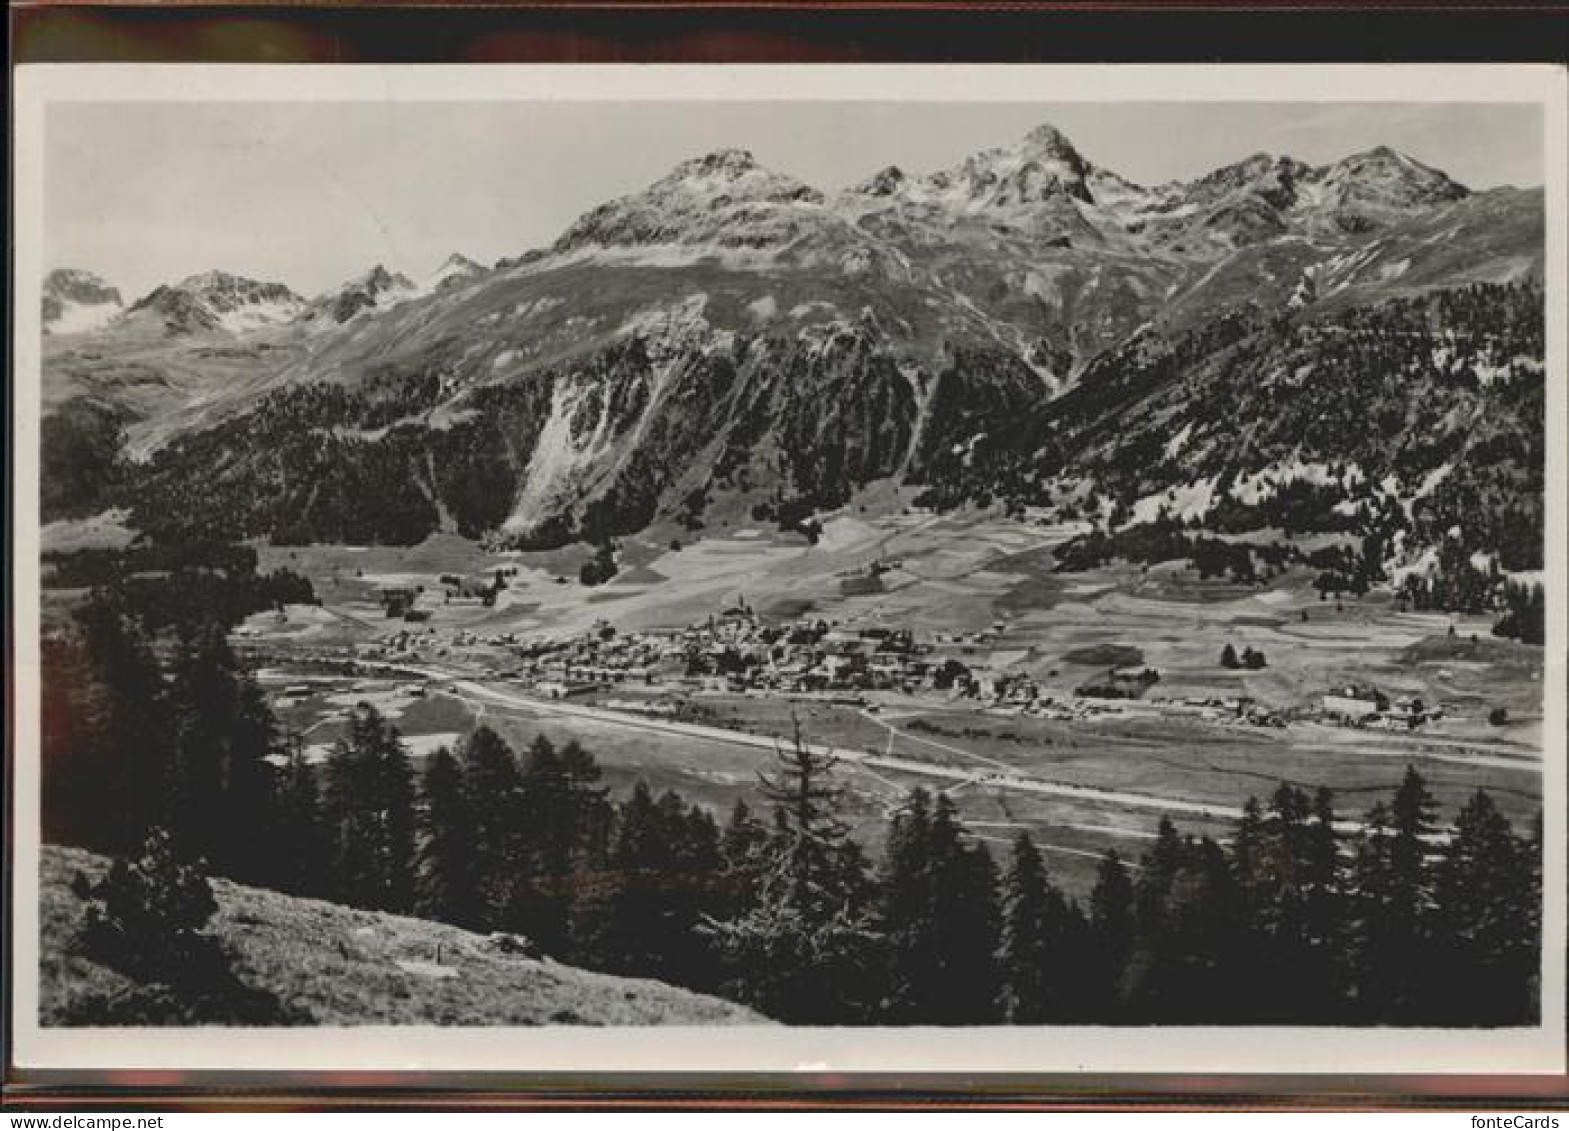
(804, 952)
(939, 919)
(1485, 923)
(128, 743)
(370, 814)
(1325, 910)
(303, 851)
(1412, 812)
(1271, 865)
(491, 786)
(397, 800)
(905, 910)
(1027, 952)
(665, 866)
(1374, 949)
(445, 884)
(202, 695)
(1111, 932)
(540, 900)
(252, 799)
(743, 845)
(1189, 934)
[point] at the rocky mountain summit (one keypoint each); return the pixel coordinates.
(217, 301)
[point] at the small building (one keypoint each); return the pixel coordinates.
(397, 600)
(564, 689)
(1123, 683)
(861, 585)
(1354, 701)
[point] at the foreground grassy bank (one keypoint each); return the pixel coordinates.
(333, 965)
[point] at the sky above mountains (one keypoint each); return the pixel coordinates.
(311, 195)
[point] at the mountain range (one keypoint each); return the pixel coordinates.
(1023, 328)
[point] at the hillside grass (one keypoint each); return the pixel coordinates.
(332, 965)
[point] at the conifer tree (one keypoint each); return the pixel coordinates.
(804, 952)
(1249, 852)
(491, 786)
(370, 814)
(539, 900)
(743, 846)
(252, 800)
(1111, 930)
(1324, 914)
(939, 920)
(971, 990)
(1026, 944)
(906, 910)
(107, 739)
(445, 883)
(302, 849)
(1189, 932)
(590, 806)
(1375, 954)
(397, 846)
(665, 866)
(1485, 925)
(819, 869)
(621, 920)
(203, 697)
(1412, 813)
(347, 810)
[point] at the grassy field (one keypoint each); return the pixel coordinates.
(333, 965)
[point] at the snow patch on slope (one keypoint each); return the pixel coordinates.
(83, 317)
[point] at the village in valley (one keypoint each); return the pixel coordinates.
(1081, 705)
(737, 651)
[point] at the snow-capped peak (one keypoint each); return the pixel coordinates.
(218, 300)
(1047, 143)
(1009, 182)
(77, 302)
(456, 269)
(885, 182)
(723, 199)
(376, 289)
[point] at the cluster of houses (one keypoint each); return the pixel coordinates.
(1361, 704)
(736, 651)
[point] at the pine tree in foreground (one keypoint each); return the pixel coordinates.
(491, 789)
(805, 952)
(444, 884)
(1485, 921)
(1026, 944)
(369, 812)
(1111, 928)
(303, 850)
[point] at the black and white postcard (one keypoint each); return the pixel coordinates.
(923, 568)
